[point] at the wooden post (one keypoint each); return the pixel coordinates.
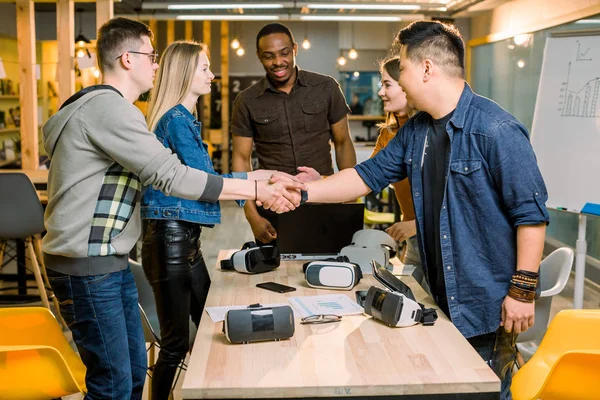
(189, 32)
(206, 98)
(225, 95)
(170, 31)
(104, 12)
(65, 33)
(28, 92)
(153, 25)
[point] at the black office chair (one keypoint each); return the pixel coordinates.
(22, 217)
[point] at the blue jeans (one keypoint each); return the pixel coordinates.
(102, 312)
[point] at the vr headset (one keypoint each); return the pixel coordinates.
(333, 273)
(370, 244)
(395, 306)
(253, 259)
(258, 323)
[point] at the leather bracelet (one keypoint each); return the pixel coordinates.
(521, 295)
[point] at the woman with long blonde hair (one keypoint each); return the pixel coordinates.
(397, 113)
(171, 254)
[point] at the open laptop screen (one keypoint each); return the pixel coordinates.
(318, 229)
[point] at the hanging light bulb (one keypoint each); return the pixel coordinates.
(96, 73)
(353, 54)
(235, 44)
(356, 74)
(306, 44)
(80, 53)
(520, 63)
(342, 61)
(240, 52)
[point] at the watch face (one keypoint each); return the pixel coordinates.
(303, 196)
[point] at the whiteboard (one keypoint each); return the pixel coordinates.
(566, 122)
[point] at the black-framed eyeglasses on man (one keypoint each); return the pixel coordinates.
(153, 55)
(321, 319)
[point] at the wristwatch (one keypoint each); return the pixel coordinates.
(303, 196)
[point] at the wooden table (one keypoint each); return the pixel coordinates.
(357, 357)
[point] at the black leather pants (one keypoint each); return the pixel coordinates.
(175, 268)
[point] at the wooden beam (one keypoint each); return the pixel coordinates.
(104, 12)
(170, 31)
(28, 84)
(65, 32)
(153, 25)
(206, 98)
(189, 32)
(225, 95)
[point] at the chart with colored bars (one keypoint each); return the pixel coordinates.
(579, 93)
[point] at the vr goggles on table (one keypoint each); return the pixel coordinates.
(333, 273)
(253, 259)
(396, 306)
(370, 244)
(258, 323)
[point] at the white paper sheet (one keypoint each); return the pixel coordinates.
(338, 304)
(217, 314)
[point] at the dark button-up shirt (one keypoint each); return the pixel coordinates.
(291, 130)
(493, 185)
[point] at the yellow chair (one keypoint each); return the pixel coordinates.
(567, 363)
(378, 218)
(36, 361)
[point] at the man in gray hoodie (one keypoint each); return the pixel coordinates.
(102, 153)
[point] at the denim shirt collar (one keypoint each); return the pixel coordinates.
(185, 113)
(460, 112)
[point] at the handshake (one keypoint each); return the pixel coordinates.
(281, 192)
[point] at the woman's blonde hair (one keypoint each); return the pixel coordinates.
(391, 65)
(174, 78)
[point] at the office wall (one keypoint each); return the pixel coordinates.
(529, 15)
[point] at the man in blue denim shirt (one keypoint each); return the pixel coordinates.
(490, 217)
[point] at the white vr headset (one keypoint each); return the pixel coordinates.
(368, 245)
(334, 273)
(395, 306)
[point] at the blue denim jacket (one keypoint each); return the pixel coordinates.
(179, 130)
(493, 185)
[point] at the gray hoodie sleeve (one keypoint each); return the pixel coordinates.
(125, 138)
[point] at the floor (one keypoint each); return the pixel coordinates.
(234, 231)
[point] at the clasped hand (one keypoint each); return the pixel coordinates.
(281, 193)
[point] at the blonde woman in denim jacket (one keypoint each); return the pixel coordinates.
(171, 253)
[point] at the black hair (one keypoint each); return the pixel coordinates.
(435, 40)
(270, 29)
(113, 38)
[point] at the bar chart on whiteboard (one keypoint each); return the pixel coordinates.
(579, 92)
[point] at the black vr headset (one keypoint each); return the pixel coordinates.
(253, 259)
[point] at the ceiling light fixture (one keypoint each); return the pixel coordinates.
(81, 40)
(363, 18)
(209, 6)
(196, 17)
(588, 21)
(352, 53)
(351, 6)
(240, 52)
(306, 42)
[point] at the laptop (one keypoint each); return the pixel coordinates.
(318, 231)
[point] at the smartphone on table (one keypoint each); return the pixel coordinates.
(275, 287)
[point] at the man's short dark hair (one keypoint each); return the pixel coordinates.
(117, 36)
(437, 41)
(274, 28)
